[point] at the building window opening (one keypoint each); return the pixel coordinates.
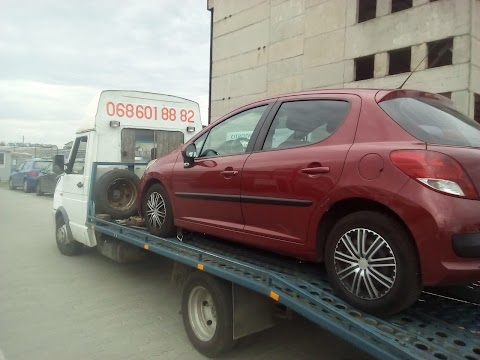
(367, 10)
(400, 5)
(440, 53)
(364, 67)
(476, 110)
(399, 61)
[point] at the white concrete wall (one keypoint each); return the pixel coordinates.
(6, 168)
(268, 47)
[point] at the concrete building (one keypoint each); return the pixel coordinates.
(267, 47)
(5, 164)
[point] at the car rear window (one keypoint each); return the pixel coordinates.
(41, 165)
(432, 122)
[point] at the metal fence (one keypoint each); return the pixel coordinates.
(24, 153)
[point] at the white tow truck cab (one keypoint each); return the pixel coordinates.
(119, 126)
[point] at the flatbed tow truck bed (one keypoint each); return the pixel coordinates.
(436, 327)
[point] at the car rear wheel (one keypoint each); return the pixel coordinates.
(157, 210)
(38, 190)
(372, 263)
(26, 188)
(10, 184)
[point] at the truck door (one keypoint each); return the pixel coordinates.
(75, 189)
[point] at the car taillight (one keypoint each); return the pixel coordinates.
(32, 173)
(435, 170)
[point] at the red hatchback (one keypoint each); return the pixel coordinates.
(381, 185)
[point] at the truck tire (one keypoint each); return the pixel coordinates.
(207, 312)
(372, 263)
(116, 194)
(65, 243)
(157, 210)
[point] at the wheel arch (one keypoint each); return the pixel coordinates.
(61, 213)
(348, 206)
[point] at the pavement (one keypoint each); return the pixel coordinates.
(89, 307)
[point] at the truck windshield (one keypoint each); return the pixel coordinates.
(432, 122)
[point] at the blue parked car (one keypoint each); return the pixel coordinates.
(26, 174)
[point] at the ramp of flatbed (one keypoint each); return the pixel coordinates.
(436, 327)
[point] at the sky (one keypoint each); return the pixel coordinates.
(55, 56)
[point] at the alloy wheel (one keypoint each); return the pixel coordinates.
(365, 263)
(156, 210)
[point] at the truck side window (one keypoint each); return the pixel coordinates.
(76, 163)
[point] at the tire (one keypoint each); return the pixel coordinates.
(10, 184)
(65, 243)
(26, 188)
(37, 189)
(158, 196)
(401, 282)
(116, 194)
(207, 313)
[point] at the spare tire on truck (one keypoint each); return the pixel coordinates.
(116, 194)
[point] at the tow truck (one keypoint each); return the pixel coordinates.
(230, 291)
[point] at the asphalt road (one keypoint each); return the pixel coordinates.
(89, 307)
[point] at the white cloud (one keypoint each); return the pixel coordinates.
(54, 56)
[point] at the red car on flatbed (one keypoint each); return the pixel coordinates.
(380, 185)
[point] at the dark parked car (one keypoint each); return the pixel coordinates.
(47, 180)
(380, 185)
(26, 174)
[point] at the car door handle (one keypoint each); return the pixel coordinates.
(229, 172)
(315, 170)
(80, 185)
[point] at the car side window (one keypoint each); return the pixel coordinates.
(20, 167)
(232, 135)
(27, 165)
(304, 122)
(200, 141)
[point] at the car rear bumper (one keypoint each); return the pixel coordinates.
(446, 230)
(467, 245)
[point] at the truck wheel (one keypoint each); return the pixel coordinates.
(116, 194)
(37, 189)
(207, 312)
(372, 263)
(65, 243)
(10, 184)
(26, 188)
(157, 210)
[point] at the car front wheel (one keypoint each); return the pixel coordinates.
(157, 210)
(10, 184)
(372, 263)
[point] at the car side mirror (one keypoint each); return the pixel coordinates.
(189, 154)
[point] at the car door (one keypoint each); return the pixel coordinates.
(294, 166)
(16, 175)
(207, 194)
(22, 174)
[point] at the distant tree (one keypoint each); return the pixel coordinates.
(2, 143)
